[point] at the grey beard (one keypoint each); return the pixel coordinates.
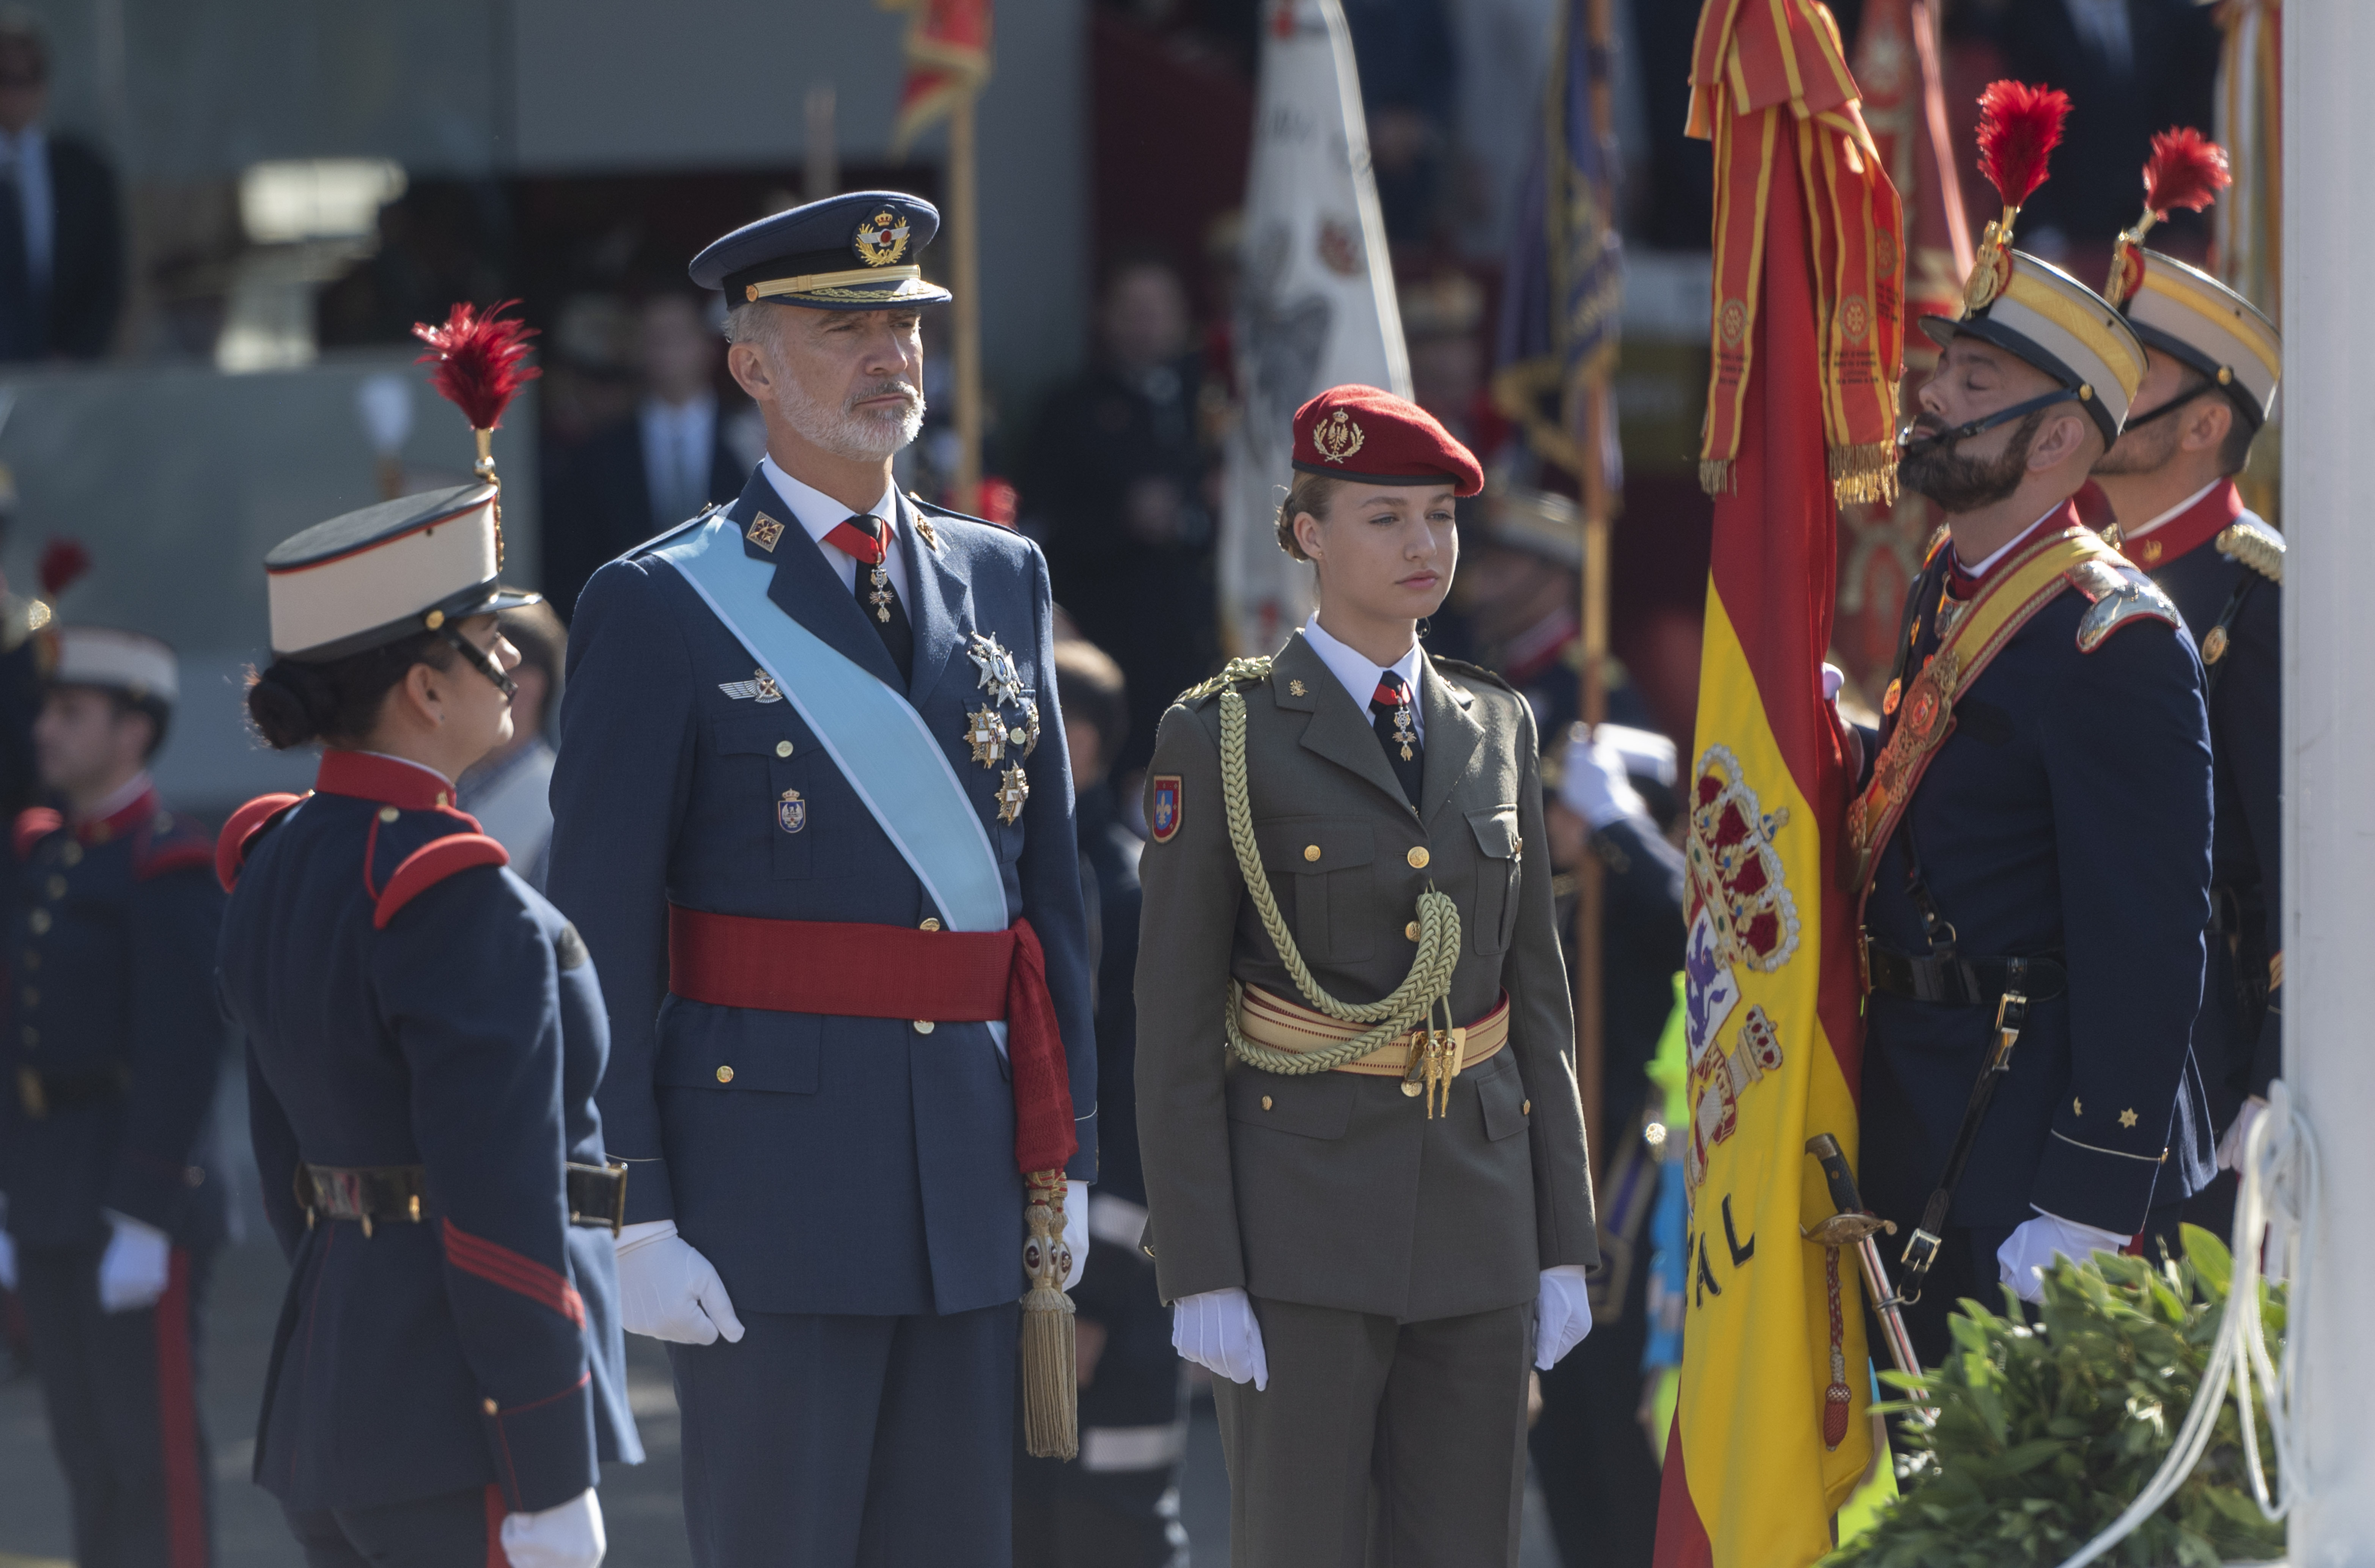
(847, 433)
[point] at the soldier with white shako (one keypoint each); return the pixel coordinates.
(424, 1034)
(114, 1196)
(2212, 361)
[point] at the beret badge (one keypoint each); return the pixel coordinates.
(1337, 437)
(882, 239)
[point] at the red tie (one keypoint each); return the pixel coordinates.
(859, 538)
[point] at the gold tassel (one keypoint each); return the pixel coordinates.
(1051, 1412)
(1715, 475)
(1864, 474)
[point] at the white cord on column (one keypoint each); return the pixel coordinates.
(2277, 1178)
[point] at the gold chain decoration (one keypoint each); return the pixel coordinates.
(1425, 989)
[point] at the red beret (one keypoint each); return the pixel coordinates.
(1361, 433)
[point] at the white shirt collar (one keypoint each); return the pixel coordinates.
(2188, 504)
(1358, 674)
(1982, 568)
(819, 514)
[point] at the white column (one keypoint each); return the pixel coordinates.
(2329, 924)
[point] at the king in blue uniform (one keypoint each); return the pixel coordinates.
(2212, 365)
(826, 1215)
(2033, 847)
(424, 1034)
(114, 1194)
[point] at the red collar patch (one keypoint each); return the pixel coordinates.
(2189, 529)
(365, 775)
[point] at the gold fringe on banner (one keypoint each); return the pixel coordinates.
(1864, 474)
(1715, 477)
(1051, 1394)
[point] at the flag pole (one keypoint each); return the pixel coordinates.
(965, 233)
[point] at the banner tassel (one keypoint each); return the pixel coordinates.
(1051, 1411)
(1865, 473)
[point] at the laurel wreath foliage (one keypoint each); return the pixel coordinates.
(2053, 1418)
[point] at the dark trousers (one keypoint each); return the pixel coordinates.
(456, 1530)
(1599, 1474)
(1067, 1516)
(845, 1442)
(121, 1392)
(1378, 1444)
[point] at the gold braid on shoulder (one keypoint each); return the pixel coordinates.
(1423, 992)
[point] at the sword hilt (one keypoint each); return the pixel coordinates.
(1841, 1180)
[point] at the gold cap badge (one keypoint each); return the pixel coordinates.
(1337, 437)
(882, 239)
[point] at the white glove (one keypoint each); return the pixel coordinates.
(567, 1537)
(669, 1292)
(1561, 1314)
(1216, 1329)
(1833, 678)
(1076, 1230)
(8, 1250)
(137, 1265)
(2034, 1245)
(2230, 1147)
(1593, 785)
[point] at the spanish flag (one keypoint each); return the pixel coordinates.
(1769, 1437)
(947, 49)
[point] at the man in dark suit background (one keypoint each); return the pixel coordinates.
(651, 472)
(60, 230)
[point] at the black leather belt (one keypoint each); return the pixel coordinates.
(38, 1092)
(373, 1195)
(1961, 982)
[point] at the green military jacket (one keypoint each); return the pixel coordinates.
(1335, 1189)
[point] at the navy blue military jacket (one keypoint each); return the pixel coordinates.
(440, 1014)
(113, 1046)
(823, 1164)
(2068, 812)
(2240, 1038)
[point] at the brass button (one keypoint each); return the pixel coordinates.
(1525, 1107)
(783, 749)
(1410, 930)
(72, 853)
(1265, 1101)
(923, 1026)
(388, 813)
(1311, 852)
(726, 1075)
(931, 923)
(40, 922)
(58, 886)
(1418, 858)
(492, 1408)
(1016, 737)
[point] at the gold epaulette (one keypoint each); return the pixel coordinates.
(2256, 545)
(1239, 671)
(19, 618)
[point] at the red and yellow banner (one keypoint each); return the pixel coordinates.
(1768, 1436)
(1769, 84)
(947, 49)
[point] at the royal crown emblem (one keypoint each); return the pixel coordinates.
(1337, 437)
(1737, 871)
(882, 239)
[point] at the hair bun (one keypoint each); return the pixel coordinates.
(292, 705)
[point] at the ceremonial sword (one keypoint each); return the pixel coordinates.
(1853, 1226)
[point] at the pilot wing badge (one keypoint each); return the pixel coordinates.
(759, 688)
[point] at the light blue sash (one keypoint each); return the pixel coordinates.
(873, 734)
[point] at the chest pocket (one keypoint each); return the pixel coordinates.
(1494, 914)
(1325, 870)
(782, 770)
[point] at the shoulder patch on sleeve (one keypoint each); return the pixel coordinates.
(34, 824)
(2256, 545)
(246, 825)
(1167, 799)
(431, 864)
(2118, 596)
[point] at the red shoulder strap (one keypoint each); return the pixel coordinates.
(431, 864)
(245, 825)
(34, 824)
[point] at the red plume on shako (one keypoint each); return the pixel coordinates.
(479, 358)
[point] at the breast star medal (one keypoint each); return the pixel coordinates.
(1028, 738)
(997, 667)
(1014, 789)
(985, 733)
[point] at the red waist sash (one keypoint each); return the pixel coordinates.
(847, 970)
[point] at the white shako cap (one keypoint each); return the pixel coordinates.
(139, 665)
(389, 571)
(2183, 311)
(2038, 312)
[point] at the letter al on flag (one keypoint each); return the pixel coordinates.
(1163, 820)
